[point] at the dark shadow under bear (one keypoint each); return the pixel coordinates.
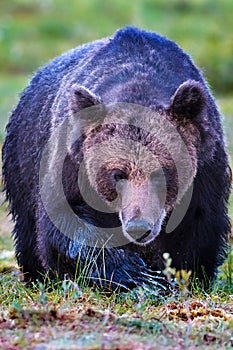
(50, 135)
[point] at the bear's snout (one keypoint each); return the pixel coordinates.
(138, 229)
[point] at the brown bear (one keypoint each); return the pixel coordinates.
(113, 156)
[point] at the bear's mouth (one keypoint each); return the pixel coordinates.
(143, 237)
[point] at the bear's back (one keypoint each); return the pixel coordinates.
(137, 57)
(131, 58)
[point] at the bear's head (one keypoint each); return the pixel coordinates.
(140, 161)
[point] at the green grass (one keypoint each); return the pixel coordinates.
(64, 316)
(67, 317)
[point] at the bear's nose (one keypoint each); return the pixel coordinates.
(138, 229)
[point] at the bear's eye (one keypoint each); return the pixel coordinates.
(118, 175)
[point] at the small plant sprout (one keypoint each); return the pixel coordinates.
(169, 271)
(183, 279)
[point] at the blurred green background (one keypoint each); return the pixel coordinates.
(32, 32)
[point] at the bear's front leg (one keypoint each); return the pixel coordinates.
(117, 268)
(106, 268)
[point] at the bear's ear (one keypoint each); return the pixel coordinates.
(83, 98)
(82, 117)
(188, 101)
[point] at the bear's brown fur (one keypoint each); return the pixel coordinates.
(114, 155)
